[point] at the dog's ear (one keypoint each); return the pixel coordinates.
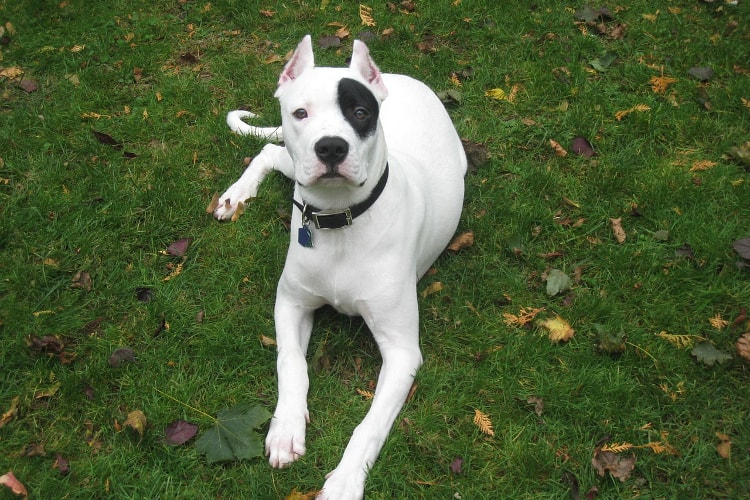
(363, 64)
(301, 61)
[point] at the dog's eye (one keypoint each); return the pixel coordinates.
(300, 114)
(361, 113)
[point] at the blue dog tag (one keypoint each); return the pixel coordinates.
(304, 237)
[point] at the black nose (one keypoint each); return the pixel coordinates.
(331, 150)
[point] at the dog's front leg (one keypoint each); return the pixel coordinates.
(271, 157)
(285, 441)
(399, 348)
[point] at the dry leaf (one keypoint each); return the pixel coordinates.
(680, 341)
(214, 203)
(524, 316)
(267, 341)
(433, 287)
(482, 420)
(659, 84)
(365, 14)
(298, 495)
(14, 484)
(557, 148)
(718, 322)
(365, 394)
(701, 165)
(136, 420)
(617, 466)
(724, 448)
(641, 108)
(617, 229)
(11, 413)
(463, 240)
(617, 447)
(559, 329)
(240, 210)
(743, 347)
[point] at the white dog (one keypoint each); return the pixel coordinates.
(378, 195)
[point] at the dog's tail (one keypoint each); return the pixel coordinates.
(234, 120)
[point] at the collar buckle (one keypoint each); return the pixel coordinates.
(333, 220)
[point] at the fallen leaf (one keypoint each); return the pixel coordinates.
(136, 420)
(610, 342)
(641, 108)
(33, 450)
(432, 288)
(62, 465)
(298, 495)
(741, 154)
(477, 154)
(47, 344)
(27, 85)
(463, 240)
(557, 148)
(482, 420)
(121, 356)
(365, 15)
(724, 448)
(179, 247)
(456, 465)
(232, 437)
(718, 322)
(703, 74)
(239, 211)
(82, 280)
(267, 341)
(742, 247)
(49, 392)
(701, 165)
(743, 349)
(11, 73)
(10, 481)
(581, 146)
(603, 62)
(179, 432)
(213, 204)
(107, 139)
(559, 329)
(538, 404)
(659, 84)
(11, 413)
(329, 41)
(617, 230)
(497, 94)
(557, 282)
(365, 394)
(523, 317)
(706, 353)
(144, 294)
(617, 466)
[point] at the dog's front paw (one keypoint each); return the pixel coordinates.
(285, 441)
(231, 204)
(343, 485)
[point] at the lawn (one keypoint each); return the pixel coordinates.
(609, 186)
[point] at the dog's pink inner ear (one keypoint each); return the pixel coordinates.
(301, 61)
(366, 67)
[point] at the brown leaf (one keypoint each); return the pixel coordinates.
(179, 247)
(82, 280)
(617, 466)
(11, 413)
(538, 404)
(120, 356)
(33, 450)
(617, 230)
(581, 146)
(107, 139)
(724, 448)
(557, 148)
(28, 86)
(463, 240)
(267, 341)
(743, 347)
(298, 495)
(10, 481)
(62, 465)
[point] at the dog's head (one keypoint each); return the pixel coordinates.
(330, 119)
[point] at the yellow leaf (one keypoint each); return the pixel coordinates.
(298, 495)
(237, 213)
(77, 48)
(365, 14)
(432, 288)
(482, 420)
(498, 94)
(136, 420)
(724, 448)
(11, 413)
(267, 341)
(559, 329)
(638, 107)
(213, 204)
(463, 240)
(745, 102)
(11, 73)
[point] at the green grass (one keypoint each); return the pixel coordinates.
(69, 203)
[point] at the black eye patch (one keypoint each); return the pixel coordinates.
(359, 107)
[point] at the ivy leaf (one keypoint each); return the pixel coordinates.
(232, 436)
(603, 62)
(706, 353)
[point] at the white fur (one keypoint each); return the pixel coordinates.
(370, 268)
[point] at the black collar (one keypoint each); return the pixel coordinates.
(336, 220)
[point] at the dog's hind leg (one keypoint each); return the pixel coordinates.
(271, 157)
